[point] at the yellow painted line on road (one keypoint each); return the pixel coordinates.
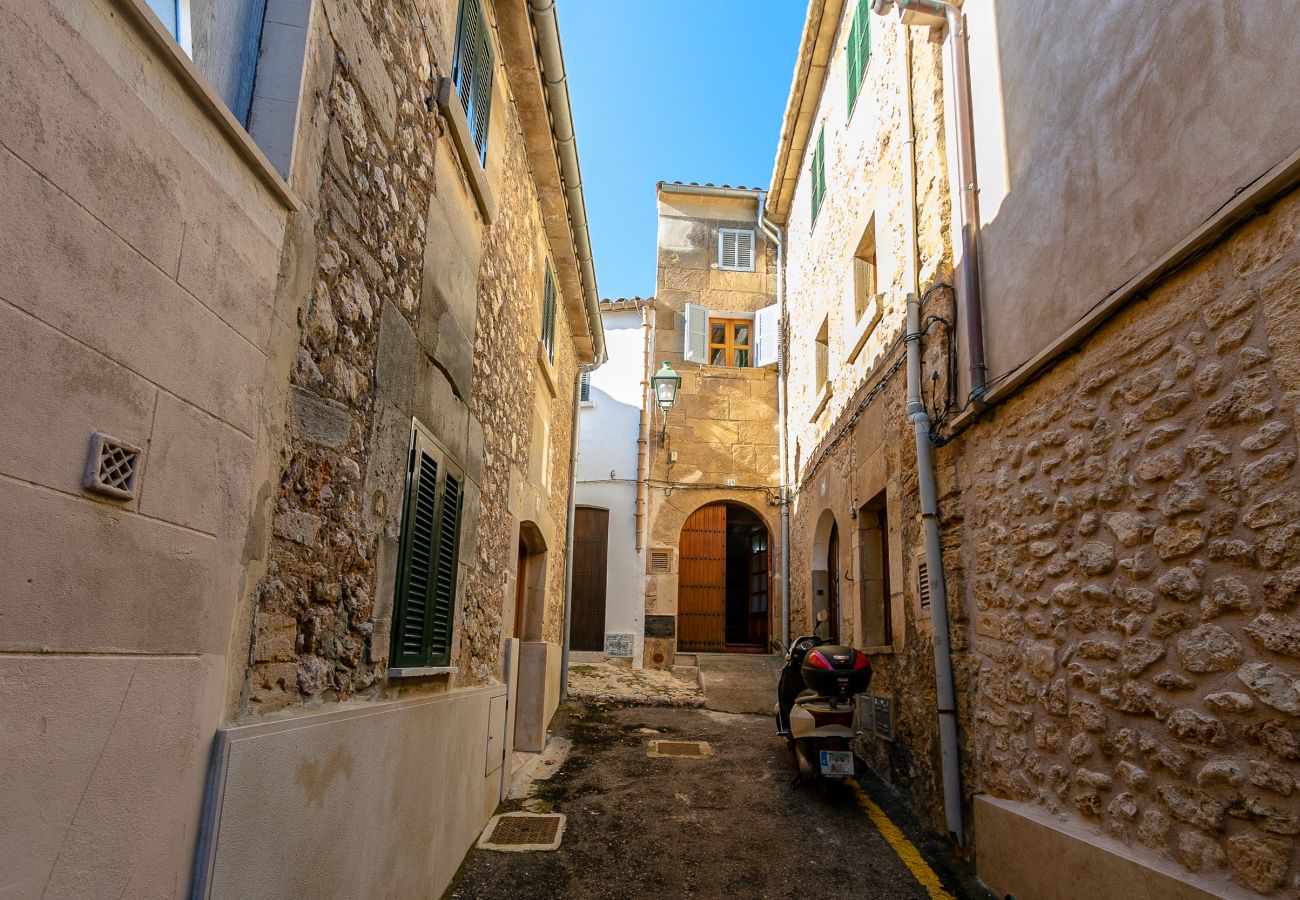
(905, 849)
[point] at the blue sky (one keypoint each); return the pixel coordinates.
(670, 90)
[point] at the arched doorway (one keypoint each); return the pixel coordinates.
(723, 582)
(826, 576)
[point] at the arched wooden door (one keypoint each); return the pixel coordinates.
(701, 581)
(833, 584)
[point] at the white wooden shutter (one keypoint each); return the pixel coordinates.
(697, 334)
(727, 248)
(745, 251)
(767, 335)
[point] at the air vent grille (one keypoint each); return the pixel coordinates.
(112, 468)
(661, 560)
(923, 583)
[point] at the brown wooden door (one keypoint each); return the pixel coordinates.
(702, 581)
(833, 584)
(590, 566)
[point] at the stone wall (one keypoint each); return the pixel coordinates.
(857, 444)
(723, 424)
(1132, 522)
(418, 308)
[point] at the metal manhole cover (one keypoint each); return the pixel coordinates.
(690, 749)
(520, 831)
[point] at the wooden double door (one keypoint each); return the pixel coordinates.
(723, 581)
(590, 577)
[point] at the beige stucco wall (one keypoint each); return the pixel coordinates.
(723, 425)
(1081, 184)
(137, 297)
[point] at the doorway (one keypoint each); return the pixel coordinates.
(833, 583)
(827, 574)
(590, 576)
(724, 582)
(530, 584)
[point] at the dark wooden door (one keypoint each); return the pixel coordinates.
(590, 569)
(758, 587)
(702, 581)
(833, 584)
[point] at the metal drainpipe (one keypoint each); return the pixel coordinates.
(944, 689)
(568, 534)
(547, 32)
(775, 235)
(972, 303)
(945, 695)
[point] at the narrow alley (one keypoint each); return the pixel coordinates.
(730, 824)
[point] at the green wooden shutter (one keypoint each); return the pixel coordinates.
(415, 572)
(548, 314)
(818, 173)
(858, 50)
(425, 604)
(444, 582)
(853, 63)
(472, 69)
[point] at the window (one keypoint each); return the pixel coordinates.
(821, 357)
(584, 392)
(873, 567)
(548, 314)
(736, 249)
(471, 71)
(175, 16)
(864, 273)
(729, 342)
(731, 339)
(818, 173)
(426, 569)
(858, 50)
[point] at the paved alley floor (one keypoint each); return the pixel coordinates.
(729, 825)
(739, 682)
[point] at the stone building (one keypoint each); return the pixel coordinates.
(607, 620)
(1114, 449)
(296, 300)
(712, 512)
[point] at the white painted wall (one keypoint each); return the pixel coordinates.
(607, 444)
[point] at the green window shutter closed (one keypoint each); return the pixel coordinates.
(548, 314)
(858, 50)
(426, 577)
(818, 173)
(471, 71)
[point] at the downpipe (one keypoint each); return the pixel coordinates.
(774, 234)
(945, 694)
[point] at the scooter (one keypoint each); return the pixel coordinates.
(814, 708)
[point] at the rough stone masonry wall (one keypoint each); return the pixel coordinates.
(864, 170)
(314, 630)
(1133, 528)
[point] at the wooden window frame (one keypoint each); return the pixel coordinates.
(729, 345)
(424, 604)
(472, 71)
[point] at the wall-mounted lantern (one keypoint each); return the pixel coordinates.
(665, 383)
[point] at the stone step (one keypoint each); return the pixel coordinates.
(685, 659)
(689, 673)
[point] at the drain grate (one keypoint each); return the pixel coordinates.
(688, 749)
(521, 831)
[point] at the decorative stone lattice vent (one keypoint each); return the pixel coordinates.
(113, 467)
(523, 831)
(660, 560)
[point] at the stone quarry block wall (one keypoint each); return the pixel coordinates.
(1133, 550)
(416, 308)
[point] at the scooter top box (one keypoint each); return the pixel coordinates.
(833, 670)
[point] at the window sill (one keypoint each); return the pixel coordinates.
(587, 404)
(450, 106)
(548, 371)
(823, 399)
(882, 650)
(722, 268)
(422, 671)
(866, 327)
(206, 99)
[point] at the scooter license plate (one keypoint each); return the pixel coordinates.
(837, 763)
